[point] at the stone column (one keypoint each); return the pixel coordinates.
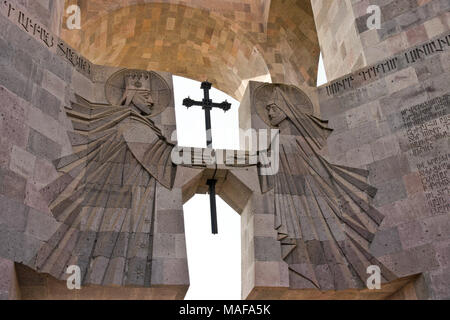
(169, 265)
(9, 286)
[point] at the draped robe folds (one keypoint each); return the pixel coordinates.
(323, 217)
(104, 197)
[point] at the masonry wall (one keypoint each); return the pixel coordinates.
(392, 118)
(35, 84)
(39, 76)
(347, 44)
(341, 48)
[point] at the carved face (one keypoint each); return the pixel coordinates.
(276, 115)
(143, 101)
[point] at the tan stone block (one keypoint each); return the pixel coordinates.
(434, 27)
(413, 183)
(397, 43)
(416, 35)
(271, 274)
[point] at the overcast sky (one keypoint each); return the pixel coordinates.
(214, 260)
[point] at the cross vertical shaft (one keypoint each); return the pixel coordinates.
(208, 105)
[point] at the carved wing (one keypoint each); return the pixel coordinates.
(104, 196)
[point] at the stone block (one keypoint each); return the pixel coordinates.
(136, 273)
(13, 214)
(267, 249)
(44, 173)
(170, 221)
(46, 102)
(271, 274)
(35, 199)
(168, 199)
(164, 246)
(434, 27)
(388, 169)
(23, 63)
(22, 162)
(12, 185)
(170, 272)
(42, 146)
(389, 192)
(40, 225)
(15, 82)
(359, 157)
(341, 142)
(412, 261)
(385, 147)
(12, 124)
(264, 226)
(412, 235)
(401, 80)
(54, 85)
(428, 68)
(9, 288)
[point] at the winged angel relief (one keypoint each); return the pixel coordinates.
(104, 196)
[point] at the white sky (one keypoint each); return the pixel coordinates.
(214, 261)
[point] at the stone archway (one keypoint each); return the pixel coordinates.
(225, 42)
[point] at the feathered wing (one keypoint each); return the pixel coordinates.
(323, 216)
(104, 196)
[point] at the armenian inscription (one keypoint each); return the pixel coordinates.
(40, 33)
(390, 65)
(427, 125)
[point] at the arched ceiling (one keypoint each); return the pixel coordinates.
(227, 42)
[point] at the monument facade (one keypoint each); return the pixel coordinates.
(359, 165)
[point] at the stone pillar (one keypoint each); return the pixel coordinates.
(169, 265)
(263, 268)
(262, 264)
(9, 286)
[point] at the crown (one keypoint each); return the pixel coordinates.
(137, 80)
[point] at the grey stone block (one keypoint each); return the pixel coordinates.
(386, 242)
(15, 82)
(23, 63)
(428, 68)
(46, 102)
(7, 53)
(42, 146)
(267, 249)
(170, 221)
(388, 28)
(12, 185)
(13, 214)
(413, 261)
(389, 192)
(136, 273)
(24, 41)
(105, 244)
(394, 167)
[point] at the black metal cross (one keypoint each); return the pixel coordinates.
(208, 105)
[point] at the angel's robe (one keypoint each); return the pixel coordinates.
(104, 197)
(323, 216)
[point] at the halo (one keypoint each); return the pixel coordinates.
(266, 93)
(159, 89)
